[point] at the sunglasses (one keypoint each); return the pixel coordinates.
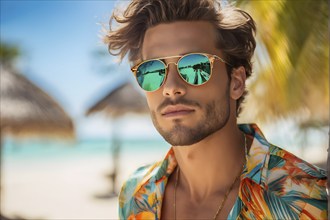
(194, 68)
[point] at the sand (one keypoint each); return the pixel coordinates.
(64, 189)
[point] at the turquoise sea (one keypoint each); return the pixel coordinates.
(31, 150)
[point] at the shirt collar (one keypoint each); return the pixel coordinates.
(257, 156)
(159, 170)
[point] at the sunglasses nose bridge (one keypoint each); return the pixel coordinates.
(172, 84)
(175, 63)
(167, 65)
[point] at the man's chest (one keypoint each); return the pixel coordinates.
(177, 205)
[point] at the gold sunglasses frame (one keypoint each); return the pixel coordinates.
(211, 58)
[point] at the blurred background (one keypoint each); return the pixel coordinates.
(74, 125)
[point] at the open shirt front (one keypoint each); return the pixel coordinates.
(275, 184)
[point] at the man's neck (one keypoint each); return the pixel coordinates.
(211, 165)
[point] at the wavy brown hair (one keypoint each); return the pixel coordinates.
(235, 29)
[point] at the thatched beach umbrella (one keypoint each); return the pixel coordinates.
(121, 100)
(27, 111)
(118, 102)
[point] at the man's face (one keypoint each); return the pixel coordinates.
(184, 114)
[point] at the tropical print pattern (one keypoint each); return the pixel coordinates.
(275, 184)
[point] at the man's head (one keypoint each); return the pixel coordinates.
(185, 114)
(234, 29)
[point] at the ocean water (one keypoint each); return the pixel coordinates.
(31, 150)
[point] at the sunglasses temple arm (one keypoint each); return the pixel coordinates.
(222, 60)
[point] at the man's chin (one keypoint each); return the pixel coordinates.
(182, 137)
(181, 143)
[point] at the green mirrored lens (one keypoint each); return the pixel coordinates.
(195, 69)
(150, 75)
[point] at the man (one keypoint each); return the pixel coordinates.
(192, 58)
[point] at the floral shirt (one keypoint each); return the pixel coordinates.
(275, 184)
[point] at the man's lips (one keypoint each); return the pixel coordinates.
(176, 110)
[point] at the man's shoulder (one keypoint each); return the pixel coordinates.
(135, 181)
(281, 159)
(288, 186)
(295, 184)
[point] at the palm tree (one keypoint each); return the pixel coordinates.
(292, 68)
(8, 54)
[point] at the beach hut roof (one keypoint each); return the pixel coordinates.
(26, 110)
(121, 100)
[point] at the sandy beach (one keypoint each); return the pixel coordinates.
(67, 188)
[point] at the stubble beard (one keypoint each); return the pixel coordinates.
(215, 117)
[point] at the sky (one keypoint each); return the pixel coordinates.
(58, 40)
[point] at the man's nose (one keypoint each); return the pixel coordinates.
(174, 84)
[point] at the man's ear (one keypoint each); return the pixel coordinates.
(237, 84)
